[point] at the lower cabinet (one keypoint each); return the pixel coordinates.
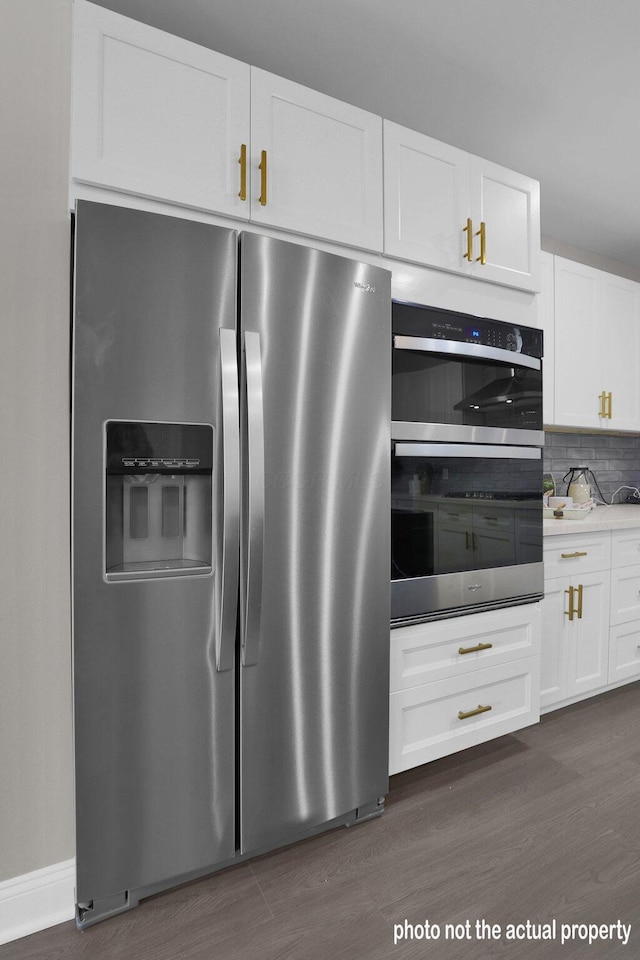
(590, 614)
(575, 636)
(456, 683)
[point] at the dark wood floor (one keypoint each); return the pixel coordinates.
(540, 825)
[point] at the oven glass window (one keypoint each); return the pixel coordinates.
(439, 388)
(454, 514)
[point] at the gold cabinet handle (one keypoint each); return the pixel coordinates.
(602, 397)
(571, 556)
(574, 611)
(262, 167)
(478, 646)
(464, 714)
(579, 611)
(569, 613)
(483, 243)
(610, 406)
(469, 232)
(242, 160)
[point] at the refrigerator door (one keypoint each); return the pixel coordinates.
(315, 411)
(154, 368)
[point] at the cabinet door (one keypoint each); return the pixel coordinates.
(625, 594)
(426, 199)
(323, 172)
(554, 656)
(156, 115)
(589, 640)
(578, 379)
(624, 652)
(508, 204)
(620, 319)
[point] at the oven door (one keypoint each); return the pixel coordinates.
(466, 528)
(493, 392)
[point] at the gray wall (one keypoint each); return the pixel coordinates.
(614, 460)
(36, 808)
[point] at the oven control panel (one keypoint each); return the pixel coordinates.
(414, 320)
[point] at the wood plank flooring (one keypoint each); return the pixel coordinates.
(540, 825)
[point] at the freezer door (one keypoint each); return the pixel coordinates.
(155, 301)
(315, 413)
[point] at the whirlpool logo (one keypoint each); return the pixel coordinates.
(365, 287)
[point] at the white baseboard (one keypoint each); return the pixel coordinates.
(37, 900)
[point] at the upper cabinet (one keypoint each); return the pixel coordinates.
(448, 209)
(597, 355)
(155, 115)
(160, 117)
(316, 163)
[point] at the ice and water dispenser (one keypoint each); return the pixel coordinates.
(158, 499)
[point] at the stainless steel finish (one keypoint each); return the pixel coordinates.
(450, 594)
(475, 451)
(314, 722)
(154, 749)
(461, 433)
(458, 348)
(229, 543)
(252, 599)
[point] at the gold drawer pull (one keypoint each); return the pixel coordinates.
(483, 243)
(242, 160)
(478, 646)
(465, 714)
(570, 556)
(469, 232)
(262, 167)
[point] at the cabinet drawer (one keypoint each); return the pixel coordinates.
(569, 555)
(437, 719)
(428, 652)
(625, 594)
(624, 652)
(625, 547)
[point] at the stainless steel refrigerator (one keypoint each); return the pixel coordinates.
(231, 421)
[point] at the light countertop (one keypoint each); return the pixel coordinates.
(617, 517)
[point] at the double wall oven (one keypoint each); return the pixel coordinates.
(466, 489)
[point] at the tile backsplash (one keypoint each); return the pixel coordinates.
(613, 460)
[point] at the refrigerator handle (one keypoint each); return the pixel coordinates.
(255, 500)
(226, 633)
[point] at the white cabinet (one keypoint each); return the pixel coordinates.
(157, 116)
(575, 647)
(323, 163)
(459, 682)
(624, 637)
(575, 616)
(597, 341)
(448, 209)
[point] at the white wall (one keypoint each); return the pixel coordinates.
(36, 786)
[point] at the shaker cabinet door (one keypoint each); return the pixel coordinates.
(578, 358)
(505, 206)
(620, 323)
(155, 115)
(426, 197)
(316, 163)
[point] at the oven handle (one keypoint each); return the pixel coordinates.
(475, 350)
(472, 450)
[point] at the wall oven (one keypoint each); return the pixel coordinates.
(466, 510)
